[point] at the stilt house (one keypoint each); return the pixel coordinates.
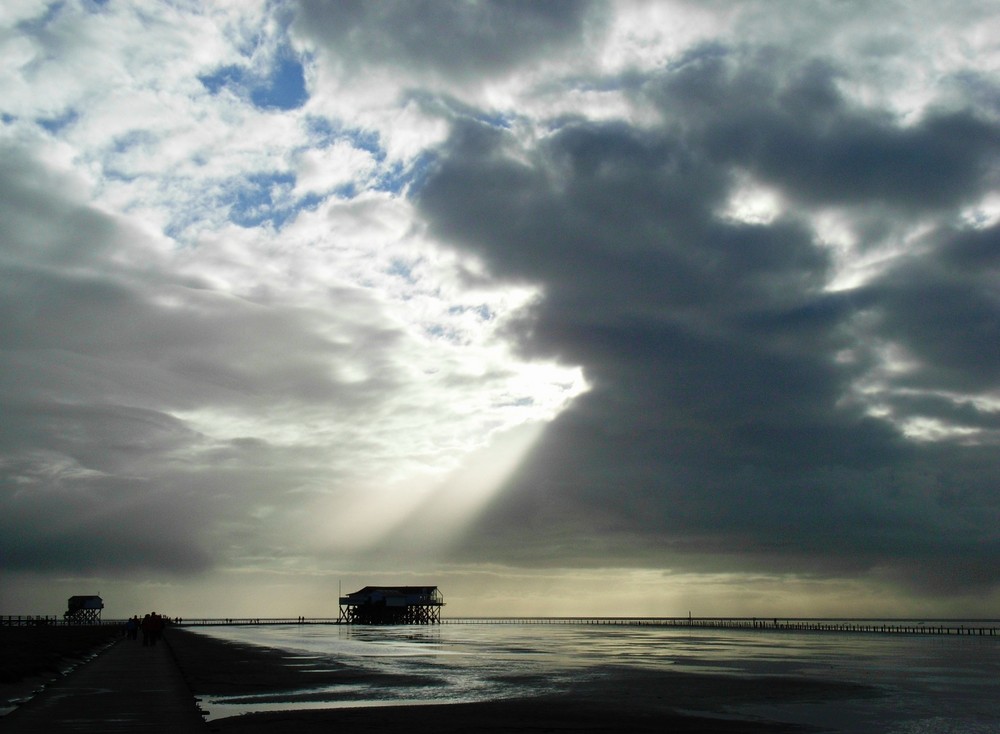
(392, 605)
(84, 610)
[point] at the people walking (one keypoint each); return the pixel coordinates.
(155, 628)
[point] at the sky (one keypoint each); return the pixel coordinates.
(569, 308)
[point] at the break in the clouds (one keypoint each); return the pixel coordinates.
(495, 292)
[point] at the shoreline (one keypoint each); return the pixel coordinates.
(318, 691)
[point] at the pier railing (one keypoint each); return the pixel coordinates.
(247, 621)
(990, 628)
(972, 627)
(982, 628)
(42, 620)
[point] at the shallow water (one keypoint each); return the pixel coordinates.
(925, 684)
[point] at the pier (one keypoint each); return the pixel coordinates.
(972, 627)
(978, 628)
(989, 628)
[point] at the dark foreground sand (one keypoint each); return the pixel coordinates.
(48, 650)
(620, 700)
(32, 657)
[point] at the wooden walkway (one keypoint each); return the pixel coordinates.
(127, 688)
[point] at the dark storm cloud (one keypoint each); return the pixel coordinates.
(723, 429)
(455, 40)
(943, 305)
(88, 528)
(105, 341)
(794, 129)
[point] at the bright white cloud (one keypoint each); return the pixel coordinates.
(321, 171)
(334, 348)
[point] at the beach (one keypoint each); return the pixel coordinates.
(618, 700)
(33, 655)
(491, 678)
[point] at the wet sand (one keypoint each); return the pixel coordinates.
(619, 699)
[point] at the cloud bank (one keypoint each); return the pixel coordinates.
(608, 290)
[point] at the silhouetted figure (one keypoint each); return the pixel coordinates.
(155, 628)
(145, 626)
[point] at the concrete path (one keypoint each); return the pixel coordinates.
(127, 688)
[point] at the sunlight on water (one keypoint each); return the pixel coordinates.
(922, 684)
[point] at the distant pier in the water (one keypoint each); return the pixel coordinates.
(904, 626)
(990, 628)
(971, 627)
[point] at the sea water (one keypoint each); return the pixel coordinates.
(923, 684)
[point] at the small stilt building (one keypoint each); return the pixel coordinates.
(392, 605)
(84, 610)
